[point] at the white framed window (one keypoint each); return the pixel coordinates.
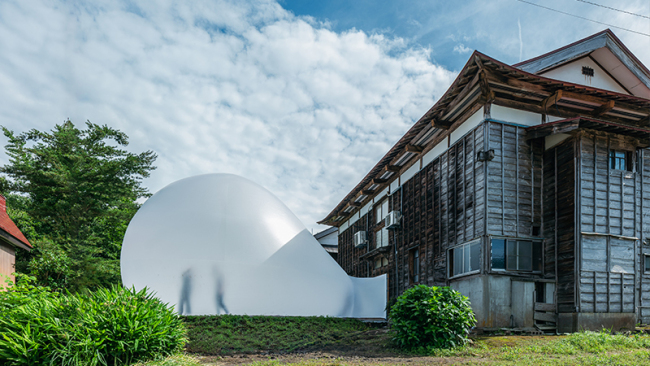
(465, 258)
(646, 263)
(381, 238)
(381, 211)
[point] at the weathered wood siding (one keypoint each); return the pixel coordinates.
(644, 282)
(442, 205)
(514, 182)
(610, 212)
(349, 256)
(559, 218)
(7, 261)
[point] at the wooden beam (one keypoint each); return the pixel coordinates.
(439, 123)
(552, 129)
(379, 181)
(392, 168)
(413, 148)
(604, 108)
(552, 100)
(560, 111)
(367, 192)
(355, 204)
(478, 62)
(541, 89)
(487, 93)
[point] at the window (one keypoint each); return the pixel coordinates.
(381, 211)
(381, 262)
(465, 258)
(647, 263)
(516, 255)
(415, 265)
(381, 238)
(620, 160)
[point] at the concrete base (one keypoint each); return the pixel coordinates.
(575, 322)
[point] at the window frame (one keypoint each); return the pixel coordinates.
(414, 266)
(646, 258)
(534, 242)
(451, 257)
(613, 160)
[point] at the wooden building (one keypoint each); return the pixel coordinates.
(10, 239)
(526, 187)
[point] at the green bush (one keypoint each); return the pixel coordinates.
(116, 326)
(431, 317)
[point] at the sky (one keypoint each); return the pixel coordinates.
(301, 97)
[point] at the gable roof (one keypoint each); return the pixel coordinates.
(8, 230)
(482, 80)
(607, 51)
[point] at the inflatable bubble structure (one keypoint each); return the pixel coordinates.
(219, 243)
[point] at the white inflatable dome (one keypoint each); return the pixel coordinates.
(219, 243)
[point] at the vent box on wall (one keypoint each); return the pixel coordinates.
(392, 220)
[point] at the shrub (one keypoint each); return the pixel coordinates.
(431, 317)
(116, 326)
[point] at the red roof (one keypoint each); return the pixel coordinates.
(8, 226)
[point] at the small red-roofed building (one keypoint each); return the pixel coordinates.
(10, 239)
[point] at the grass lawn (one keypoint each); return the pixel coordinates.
(234, 340)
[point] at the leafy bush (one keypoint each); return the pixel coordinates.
(116, 326)
(431, 317)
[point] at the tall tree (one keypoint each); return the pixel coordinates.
(80, 190)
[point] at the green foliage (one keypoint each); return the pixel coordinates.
(431, 317)
(73, 191)
(114, 326)
(226, 334)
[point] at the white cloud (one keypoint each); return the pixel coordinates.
(218, 86)
(460, 48)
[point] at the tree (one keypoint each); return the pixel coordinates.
(79, 189)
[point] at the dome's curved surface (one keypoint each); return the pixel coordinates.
(220, 243)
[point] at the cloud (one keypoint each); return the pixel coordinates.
(219, 86)
(460, 48)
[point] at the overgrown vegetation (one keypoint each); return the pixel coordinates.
(115, 326)
(227, 334)
(431, 317)
(72, 192)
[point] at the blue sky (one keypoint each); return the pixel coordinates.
(302, 97)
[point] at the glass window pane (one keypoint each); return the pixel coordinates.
(511, 261)
(525, 256)
(475, 256)
(384, 209)
(458, 261)
(384, 237)
(377, 239)
(647, 263)
(498, 254)
(378, 215)
(466, 267)
(537, 256)
(384, 261)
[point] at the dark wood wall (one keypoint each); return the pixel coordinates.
(444, 205)
(559, 218)
(514, 182)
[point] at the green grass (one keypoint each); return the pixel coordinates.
(354, 343)
(227, 334)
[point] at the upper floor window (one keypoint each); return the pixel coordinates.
(516, 255)
(620, 160)
(381, 211)
(381, 237)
